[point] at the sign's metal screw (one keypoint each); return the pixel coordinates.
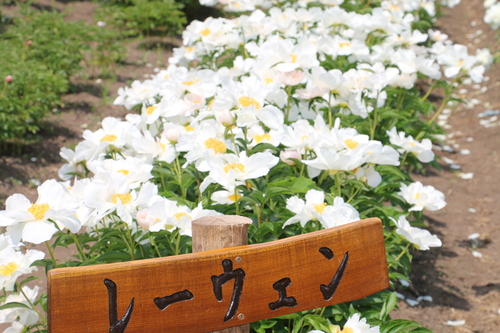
(241, 316)
(238, 259)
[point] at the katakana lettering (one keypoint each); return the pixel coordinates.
(280, 286)
(163, 302)
(115, 325)
(329, 290)
(218, 281)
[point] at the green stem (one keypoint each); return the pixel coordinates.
(51, 253)
(401, 96)
(178, 172)
(153, 244)
(438, 112)
(33, 307)
(403, 252)
(429, 91)
(236, 199)
(130, 243)
(289, 103)
(338, 182)
(354, 194)
(177, 243)
(330, 115)
(403, 160)
(4, 88)
(373, 125)
(83, 257)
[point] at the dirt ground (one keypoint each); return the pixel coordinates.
(462, 286)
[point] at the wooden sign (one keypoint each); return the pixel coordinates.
(212, 290)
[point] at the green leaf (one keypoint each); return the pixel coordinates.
(297, 184)
(14, 305)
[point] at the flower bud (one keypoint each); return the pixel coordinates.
(172, 134)
(225, 118)
(29, 43)
(145, 219)
(286, 156)
(8, 78)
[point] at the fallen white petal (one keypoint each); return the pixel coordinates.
(469, 139)
(464, 151)
(404, 283)
(412, 302)
(473, 236)
(455, 322)
(472, 210)
(477, 254)
(424, 298)
(466, 176)
(400, 296)
(455, 166)
(448, 160)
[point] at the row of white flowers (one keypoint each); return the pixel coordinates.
(275, 92)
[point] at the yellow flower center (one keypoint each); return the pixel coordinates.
(412, 144)
(125, 198)
(347, 330)
(319, 207)
(234, 166)
(417, 196)
(151, 109)
(211, 104)
(109, 138)
(188, 83)
(189, 49)
(217, 145)
(39, 210)
(125, 172)
(188, 128)
(268, 80)
(294, 58)
(234, 197)
(260, 138)
(205, 32)
(8, 269)
(351, 144)
(178, 216)
(247, 101)
(344, 44)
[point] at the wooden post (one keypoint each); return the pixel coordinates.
(218, 232)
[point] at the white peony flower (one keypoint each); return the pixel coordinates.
(421, 238)
(421, 196)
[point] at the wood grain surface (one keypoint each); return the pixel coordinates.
(348, 260)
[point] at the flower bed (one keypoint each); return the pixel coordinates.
(301, 117)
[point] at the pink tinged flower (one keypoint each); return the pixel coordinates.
(290, 78)
(8, 78)
(287, 155)
(225, 117)
(421, 238)
(172, 134)
(29, 43)
(145, 219)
